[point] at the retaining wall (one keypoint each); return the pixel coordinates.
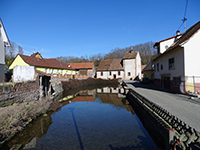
(19, 92)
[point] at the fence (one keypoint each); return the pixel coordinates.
(189, 84)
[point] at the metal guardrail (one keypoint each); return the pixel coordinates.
(185, 136)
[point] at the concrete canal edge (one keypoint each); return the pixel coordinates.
(167, 131)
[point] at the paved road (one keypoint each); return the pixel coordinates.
(182, 106)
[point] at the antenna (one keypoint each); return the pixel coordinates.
(184, 19)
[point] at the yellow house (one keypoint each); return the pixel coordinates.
(49, 66)
(148, 71)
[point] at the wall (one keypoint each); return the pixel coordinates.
(191, 55)
(56, 71)
(138, 65)
(2, 57)
(19, 92)
(23, 73)
(166, 44)
(129, 66)
(178, 70)
(18, 61)
(106, 74)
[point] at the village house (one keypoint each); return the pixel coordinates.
(148, 71)
(4, 42)
(84, 68)
(129, 67)
(177, 65)
(49, 66)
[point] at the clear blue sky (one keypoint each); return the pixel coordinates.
(87, 27)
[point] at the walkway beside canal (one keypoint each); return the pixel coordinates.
(181, 106)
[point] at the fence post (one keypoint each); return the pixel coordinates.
(194, 86)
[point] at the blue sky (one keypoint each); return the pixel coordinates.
(88, 27)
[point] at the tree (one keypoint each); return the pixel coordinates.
(20, 50)
(12, 51)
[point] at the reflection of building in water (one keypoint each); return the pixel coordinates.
(113, 96)
(87, 95)
(32, 133)
(81, 96)
(116, 90)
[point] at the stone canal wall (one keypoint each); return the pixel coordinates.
(168, 131)
(18, 92)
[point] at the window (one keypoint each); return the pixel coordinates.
(176, 81)
(118, 73)
(171, 63)
(110, 73)
(161, 67)
(129, 74)
(157, 66)
(101, 73)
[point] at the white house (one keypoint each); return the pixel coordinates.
(4, 41)
(129, 67)
(177, 66)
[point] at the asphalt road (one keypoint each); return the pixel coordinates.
(181, 106)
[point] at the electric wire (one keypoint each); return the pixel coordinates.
(184, 19)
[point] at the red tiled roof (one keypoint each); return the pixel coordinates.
(184, 38)
(110, 64)
(86, 65)
(52, 63)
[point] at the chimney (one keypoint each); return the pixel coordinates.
(131, 49)
(177, 32)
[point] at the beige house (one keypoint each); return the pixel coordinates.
(177, 67)
(129, 67)
(4, 42)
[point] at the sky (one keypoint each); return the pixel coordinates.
(78, 28)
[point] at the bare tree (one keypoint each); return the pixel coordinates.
(20, 50)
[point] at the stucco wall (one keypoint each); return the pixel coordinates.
(192, 57)
(129, 66)
(178, 70)
(138, 65)
(23, 73)
(2, 55)
(166, 44)
(106, 74)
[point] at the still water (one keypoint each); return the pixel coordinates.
(90, 120)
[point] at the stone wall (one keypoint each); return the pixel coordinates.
(19, 92)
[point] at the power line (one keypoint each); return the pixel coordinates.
(184, 19)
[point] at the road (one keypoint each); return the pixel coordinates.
(181, 106)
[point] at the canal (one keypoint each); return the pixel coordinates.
(88, 120)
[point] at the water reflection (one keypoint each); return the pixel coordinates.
(32, 133)
(88, 119)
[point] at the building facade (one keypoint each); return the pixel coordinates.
(4, 42)
(177, 68)
(49, 66)
(129, 67)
